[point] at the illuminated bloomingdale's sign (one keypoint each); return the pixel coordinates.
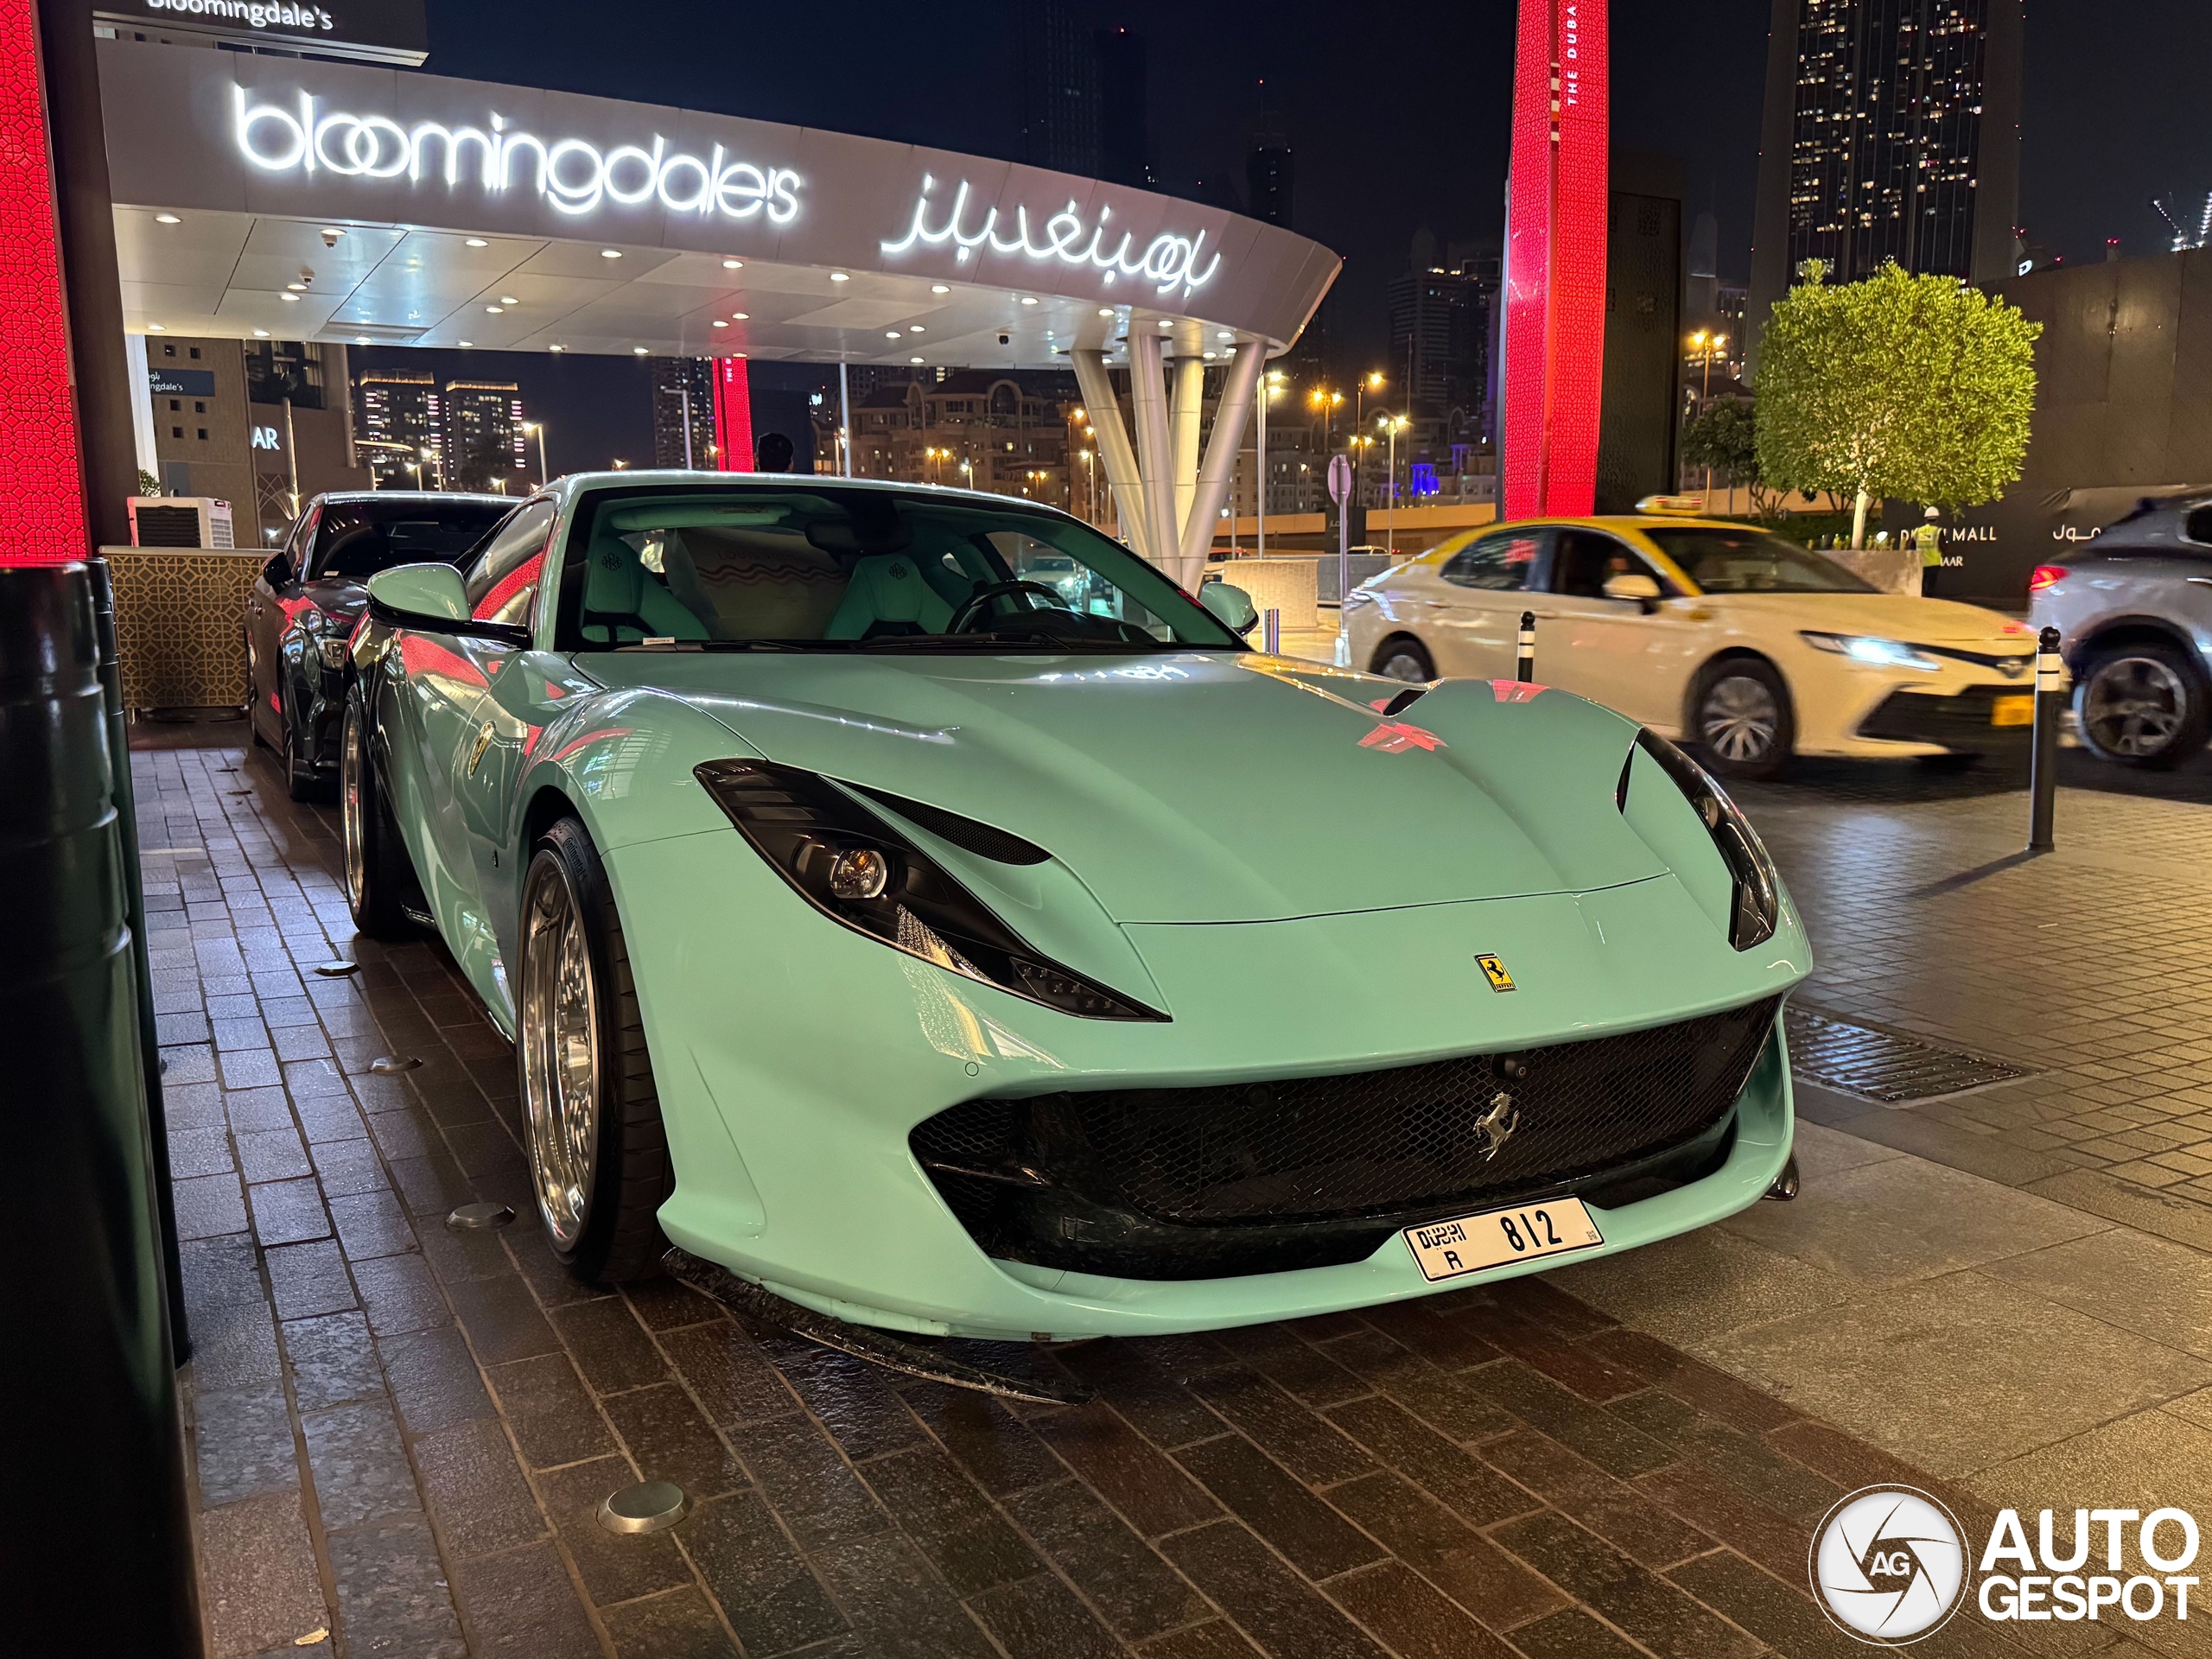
(1168, 260)
(575, 177)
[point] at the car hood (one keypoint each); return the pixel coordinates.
(1202, 787)
(1887, 616)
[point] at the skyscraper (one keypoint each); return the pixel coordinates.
(1269, 173)
(1056, 72)
(483, 435)
(1891, 132)
(683, 387)
(396, 418)
(1440, 345)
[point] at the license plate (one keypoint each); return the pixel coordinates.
(1446, 1250)
(2013, 711)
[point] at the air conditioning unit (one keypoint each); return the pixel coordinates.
(181, 521)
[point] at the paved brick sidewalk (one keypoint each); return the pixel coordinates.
(399, 1432)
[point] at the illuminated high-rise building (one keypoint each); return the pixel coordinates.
(396, 418)
(483, 435)
(1891, 132)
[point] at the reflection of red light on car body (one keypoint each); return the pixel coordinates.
(1515, 691)
(1396, 737)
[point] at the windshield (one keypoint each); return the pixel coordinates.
(1726, 560)
(828, 568)
(356, 539)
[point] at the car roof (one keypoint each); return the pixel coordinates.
(571, 485)
(347, 496)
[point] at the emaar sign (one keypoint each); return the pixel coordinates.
(575, 177)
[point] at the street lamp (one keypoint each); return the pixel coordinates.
(1090, 487)
(1706, 344)
(1392, 425)
(1270, 392)
(538, 426)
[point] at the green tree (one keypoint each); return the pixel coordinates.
(148, 484)
(1918, 387)
(1724, 436)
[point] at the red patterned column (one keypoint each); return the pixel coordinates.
(1556, 260)
(42, 483)
(732, 416)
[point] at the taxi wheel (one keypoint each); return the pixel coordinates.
(1403, 659)
(2142, 705)
(1742, 718)
(599, 1162)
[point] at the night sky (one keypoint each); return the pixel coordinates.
(1396, 114)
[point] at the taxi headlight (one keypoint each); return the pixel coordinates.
(1865, 648)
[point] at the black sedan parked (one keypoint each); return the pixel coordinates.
(306, 600)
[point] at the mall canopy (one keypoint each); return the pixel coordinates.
(305, 199)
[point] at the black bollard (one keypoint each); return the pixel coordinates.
(1525, 663)
(96, 1546)
(2043, 767)
(134, 915)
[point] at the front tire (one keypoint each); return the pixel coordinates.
(1742, 718)
(599, 1159)
(379, 878)
(1403, 659)
(2142, 705)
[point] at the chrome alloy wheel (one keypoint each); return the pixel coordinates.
(350, 762)
(1740, 721)
(2134, 705)
(560, 1053)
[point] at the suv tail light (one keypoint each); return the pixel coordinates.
(2046, 575)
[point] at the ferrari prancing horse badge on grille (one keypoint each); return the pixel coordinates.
(1494, 970)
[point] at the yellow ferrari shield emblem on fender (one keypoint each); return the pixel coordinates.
(1494, 970)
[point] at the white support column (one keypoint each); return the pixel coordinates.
(1212, 486)
(1185, 410)
(1155, 458)
(1120, 458)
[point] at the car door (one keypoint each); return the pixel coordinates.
(1629, 655)
(445, 678)
(270, 604)
(1473, 611)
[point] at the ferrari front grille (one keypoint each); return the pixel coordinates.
(1087, 1180)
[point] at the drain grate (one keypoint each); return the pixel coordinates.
(1880, 1065)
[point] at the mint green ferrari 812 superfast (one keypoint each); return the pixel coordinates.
(911, 905)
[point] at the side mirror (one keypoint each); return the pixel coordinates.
(1634, 585)
(1231, 606)
(431, 599)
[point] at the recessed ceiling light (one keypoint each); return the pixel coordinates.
(1029, 299)
(719, 323)
(916, 329)
(492, 310)
(1105, 310)
(610, 253)
(289, 299)
(297, 287)
(166, 219)
(157, 328)
(1166, 324)
(733, 264)
(939, 288)
(839, 276)
(637, 351)
(477, 241)
(332, 232)
(556, 348)
(740, 316)
(468, 342)
(737, 353)
(890, 334)
(1209, 356)
(360, 340)
(913, 359)
(261, 334)
(1224, 334)
(509, 299)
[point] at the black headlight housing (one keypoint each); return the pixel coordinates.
(859, 870)
(1757, 910)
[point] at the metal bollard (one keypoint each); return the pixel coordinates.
(1271, 632)
(1525, 668)
(2043, 767)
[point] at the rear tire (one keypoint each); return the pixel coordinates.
(2142, 705)
(380, 879)
(1403, 658)
(1741, 717)
(599, 1160)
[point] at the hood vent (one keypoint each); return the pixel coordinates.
(966, 833)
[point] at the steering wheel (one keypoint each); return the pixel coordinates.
(976, 603)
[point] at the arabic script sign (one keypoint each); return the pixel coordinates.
(1169, 261)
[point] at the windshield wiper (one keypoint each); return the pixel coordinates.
(1023, 639)
(707, 645)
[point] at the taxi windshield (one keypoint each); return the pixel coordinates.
(1723, 559)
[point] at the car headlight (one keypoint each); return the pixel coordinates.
(859, 870)
(1865, 648)
(334, 650)
(1757, 910)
